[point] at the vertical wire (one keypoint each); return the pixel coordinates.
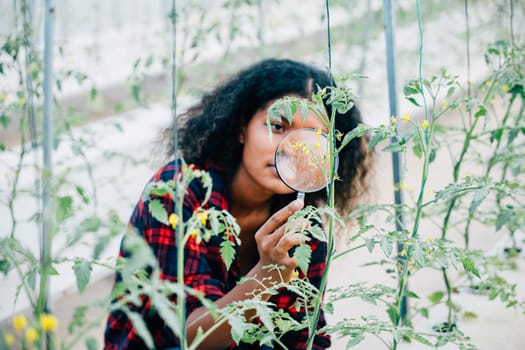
(420, 64)
(467, 39)
(329, 40)
(512, 22)
(173, 16)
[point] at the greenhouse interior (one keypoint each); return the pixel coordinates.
(145, 203)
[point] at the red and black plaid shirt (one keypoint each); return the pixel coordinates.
(204, 271)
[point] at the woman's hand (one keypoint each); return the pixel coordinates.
(273, 244)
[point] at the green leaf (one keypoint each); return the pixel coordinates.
(469, 266)
(436, 297)
(413, 101)
(392, 314)
(302, 254)
(65, 208)
(502, 218)
(237, 328)
(157, 210)
(288, 108)
(424, 312)
(395, 147)
(4, 120)
(78, 319)
(376, 138)
(167, 311)
(227, 252)
(421, 340)
(93, 93)
(481, 112)
(135, 92)
(80, 191)
(358, 131)
(140, 327)
(495, 135)
(317, 233)
(355, 339)
(418, 150)
(370, 244)
(479, 196)
(91, 343)
(410, 294)
(265, 315)
(386, 246)
(513, 133)
(303, 106)
(82, 270)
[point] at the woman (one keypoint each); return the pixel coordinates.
(226, 134)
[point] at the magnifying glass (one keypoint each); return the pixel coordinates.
(302, 160)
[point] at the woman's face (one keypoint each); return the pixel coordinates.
(258, 154)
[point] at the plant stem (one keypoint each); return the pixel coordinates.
(179, 233)
(330, 241)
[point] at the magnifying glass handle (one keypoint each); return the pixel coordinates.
(300, 195)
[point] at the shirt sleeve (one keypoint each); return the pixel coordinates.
(197, 272)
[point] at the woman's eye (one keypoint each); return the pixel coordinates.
(277, 127)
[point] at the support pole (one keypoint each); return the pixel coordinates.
(47, 171)
(392, 100)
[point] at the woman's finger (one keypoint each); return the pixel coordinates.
(280, 217)
(287, 242)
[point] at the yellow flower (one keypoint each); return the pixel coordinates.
(488, 82)
(406, 117)
(505, 88)
(31, 335)
(295, 274)
(317, 145)
(393, 119)
(402, 186)
(194, 233)
(22, 101)
(444, 104)
(48, 323)
(173, 220)
(19, 323)
(431, 239)
(409, 243)
(424, 125)
(9, 339)
(297, 145)
(202, 216)
(318, 132)
(306, 150)
(338, 135)
(403, 252)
